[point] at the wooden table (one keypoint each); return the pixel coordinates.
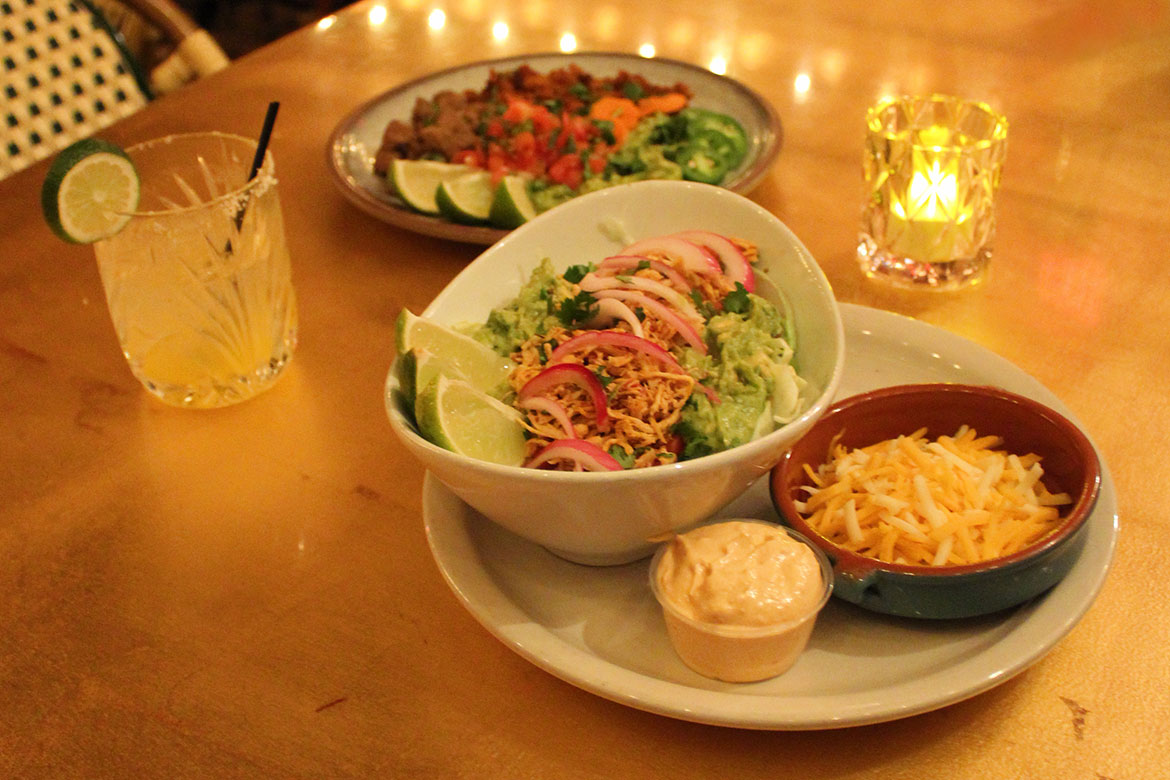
(249, 593)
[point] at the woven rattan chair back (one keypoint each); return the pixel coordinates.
(65, 74)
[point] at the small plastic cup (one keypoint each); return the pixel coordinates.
(738, 653)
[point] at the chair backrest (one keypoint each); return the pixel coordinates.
(65, 74)
(171, 47)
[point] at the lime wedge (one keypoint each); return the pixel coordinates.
(455, 416)
(89, 191)
(417, 368)
(417, 181)
(450, 352)
(511, 205)
(466, 199)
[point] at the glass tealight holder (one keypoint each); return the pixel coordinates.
(932, 166)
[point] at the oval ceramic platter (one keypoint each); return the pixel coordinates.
(356, 139)
(601, 630)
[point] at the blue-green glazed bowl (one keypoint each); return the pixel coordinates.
(1070, 465)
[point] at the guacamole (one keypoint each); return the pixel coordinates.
(747, 363)
(532, 311)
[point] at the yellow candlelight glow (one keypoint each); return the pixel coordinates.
(931, 197)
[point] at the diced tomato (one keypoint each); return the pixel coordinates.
(522, 153)
(517, 111)
(495, 129)
(581, 128)
(497, 162)
(524, 143)
(561, 140)
(567, 170)
(597, 162)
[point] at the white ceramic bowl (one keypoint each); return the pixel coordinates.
(611, 518)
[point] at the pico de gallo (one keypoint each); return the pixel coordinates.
(568, 132)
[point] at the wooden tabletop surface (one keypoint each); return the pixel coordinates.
(249, 592)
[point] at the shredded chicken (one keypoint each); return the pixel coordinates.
(645, 400)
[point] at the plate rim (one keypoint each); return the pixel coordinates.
(731, 708)
(484, 235)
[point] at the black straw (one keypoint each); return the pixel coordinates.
(265, 134)
(258, 159)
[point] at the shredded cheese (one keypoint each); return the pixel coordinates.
(951, 501)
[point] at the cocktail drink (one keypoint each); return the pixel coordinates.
(931, 168)
(198, 283)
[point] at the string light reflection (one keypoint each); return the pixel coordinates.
(647, 50)
(437, 19)
(377, 15)
(801, 86)
(500, 31)
(568, 43)
(718, 65)
(327, 22)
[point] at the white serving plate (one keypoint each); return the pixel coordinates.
(601, 630)
(356, 138)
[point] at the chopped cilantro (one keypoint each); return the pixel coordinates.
(578, 309)
(705, 309)
(575, 273)
(549, 346)
(633, 90)
(673, 131)
(606, 128)
(621, 456)
(737, 300)
(580, 90)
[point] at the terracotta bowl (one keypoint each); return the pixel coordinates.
(1070, 465)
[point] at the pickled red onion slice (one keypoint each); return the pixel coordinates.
(593, 283)
(571, 373)
(554, 409)
(583, 455)
(732, 259)
(610, 309)
(618, 263)
(694, 257)
(684, 328)
(615, 338)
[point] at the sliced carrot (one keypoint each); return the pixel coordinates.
(670, 103)
(619, 110)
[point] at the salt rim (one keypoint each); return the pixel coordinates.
(232, 201)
